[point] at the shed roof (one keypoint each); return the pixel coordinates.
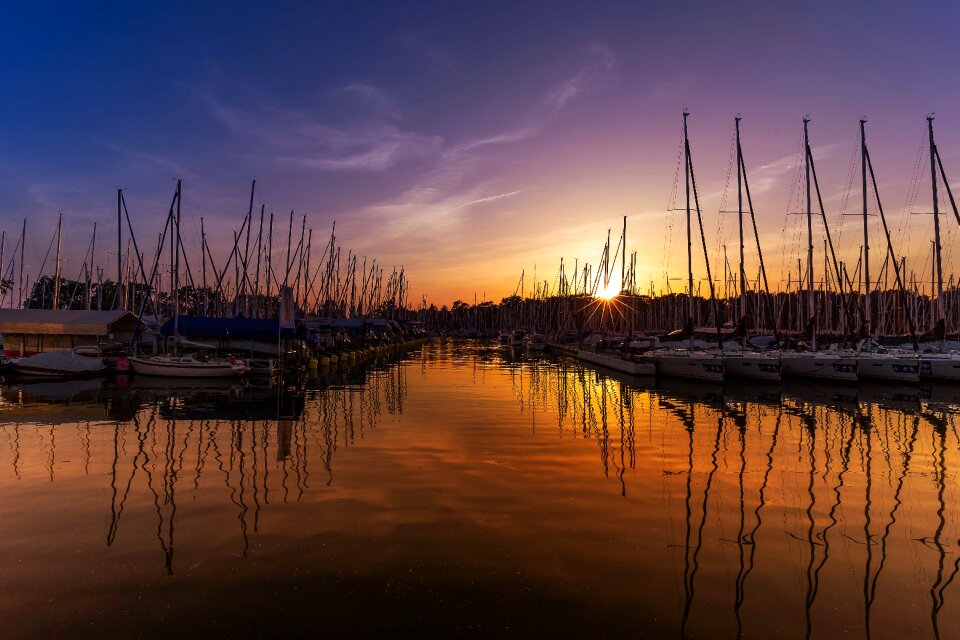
(65, 322)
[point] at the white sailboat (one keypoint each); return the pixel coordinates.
(183, 365)
(738, 360)
(833, 364)
(688, 362)
(187, 366)
(941, 364)
(873, 360)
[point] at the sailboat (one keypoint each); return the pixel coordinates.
(176, 364)
(833, 364)
(939, 364)
(187, 366)
(743, 362)
(689, 362)
(873, 360)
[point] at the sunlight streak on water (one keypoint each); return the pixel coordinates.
(467, 487)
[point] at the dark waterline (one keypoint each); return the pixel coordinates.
(465, 489)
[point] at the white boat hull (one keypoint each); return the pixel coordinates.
(823, 366)
(752, 365)
(940, 366)
(691, 366)
(618, 364)
(882, 366)
(170, 369)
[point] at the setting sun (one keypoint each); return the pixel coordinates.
(608, 291)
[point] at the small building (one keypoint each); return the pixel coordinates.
(29, 331)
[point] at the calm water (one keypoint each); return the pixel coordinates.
(472, 491)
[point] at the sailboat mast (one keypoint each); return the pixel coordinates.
(810, 300)
(623, 257)
(176, 267)
(203, 267)
(118, 296)
(686, 163)
(743, 273)
(56, 283)
(23, 242)
(867, 315)
(936, 222)
(93, 251)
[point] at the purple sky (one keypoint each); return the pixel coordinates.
(469, 141)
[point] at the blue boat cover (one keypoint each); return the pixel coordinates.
(266, 330)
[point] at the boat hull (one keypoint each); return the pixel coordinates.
(144, 366)
(887, 367)
(820, 366)
(618, 364)
(691, 366)
(940, 367)
(753, 366)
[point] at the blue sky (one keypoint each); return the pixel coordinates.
(466, 141)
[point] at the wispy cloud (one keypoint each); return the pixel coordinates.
(373, 139)
(441, 196)
(427, 50)
(154, 160)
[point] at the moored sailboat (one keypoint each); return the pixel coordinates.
(187, 366)
(688, 362)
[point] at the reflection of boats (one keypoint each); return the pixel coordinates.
(187, 366)
(59, 391)
(838, 397)
(53, 402)
(166, 386)
(58, 364)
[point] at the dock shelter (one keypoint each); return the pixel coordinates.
(30, 331)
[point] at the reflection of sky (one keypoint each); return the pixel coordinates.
(464, 143)
(457, 478)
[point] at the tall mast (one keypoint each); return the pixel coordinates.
(743, 274)
(867, 316)
(56, 284)
(176, 267)
(623, 257)
(936, 224)
(119, 248)
(203, 267)
(686, 163)
(811, 317)
(23, 242)
(93, 251)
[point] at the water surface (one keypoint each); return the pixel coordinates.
(465, 489)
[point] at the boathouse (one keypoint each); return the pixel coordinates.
(30, 331)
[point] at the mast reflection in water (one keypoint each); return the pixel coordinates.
(468, 487)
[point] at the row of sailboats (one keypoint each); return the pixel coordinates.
(868, 359)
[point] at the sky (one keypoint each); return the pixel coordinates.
(470, 142)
